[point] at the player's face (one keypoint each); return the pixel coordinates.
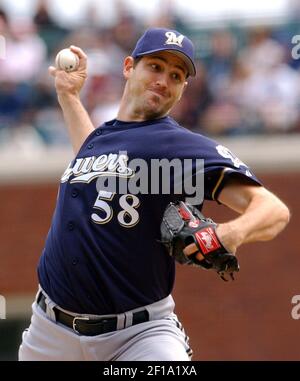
(156, 84)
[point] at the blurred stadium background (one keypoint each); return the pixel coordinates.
(246, 95)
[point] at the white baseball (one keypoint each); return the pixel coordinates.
(67, 60)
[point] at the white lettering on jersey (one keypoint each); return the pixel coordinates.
(127, 217)
(88, 168)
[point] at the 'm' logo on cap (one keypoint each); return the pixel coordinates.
(173, 39)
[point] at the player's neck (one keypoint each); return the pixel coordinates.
(127, 111)
(126, 115)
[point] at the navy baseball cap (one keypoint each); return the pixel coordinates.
(160, 39)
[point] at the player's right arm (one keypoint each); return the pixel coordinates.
(68, 86)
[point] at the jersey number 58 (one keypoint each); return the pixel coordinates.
(127, 217)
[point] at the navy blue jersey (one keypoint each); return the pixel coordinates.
(102, 253)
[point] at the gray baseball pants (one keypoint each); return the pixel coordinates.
(162, 338)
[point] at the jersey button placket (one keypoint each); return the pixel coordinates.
(71, 225)
(90, 146)
(74, 193)
(98, 132)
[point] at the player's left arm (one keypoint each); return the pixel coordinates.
(262, 214)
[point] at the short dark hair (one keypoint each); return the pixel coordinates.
(136, 61)
(3, 16)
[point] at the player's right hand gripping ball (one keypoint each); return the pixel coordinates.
(67, 60)
(182, 225)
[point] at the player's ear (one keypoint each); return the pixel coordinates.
(128, 66)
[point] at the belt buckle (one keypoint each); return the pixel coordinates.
(78, 318)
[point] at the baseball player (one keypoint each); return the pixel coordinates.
(105, 279)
